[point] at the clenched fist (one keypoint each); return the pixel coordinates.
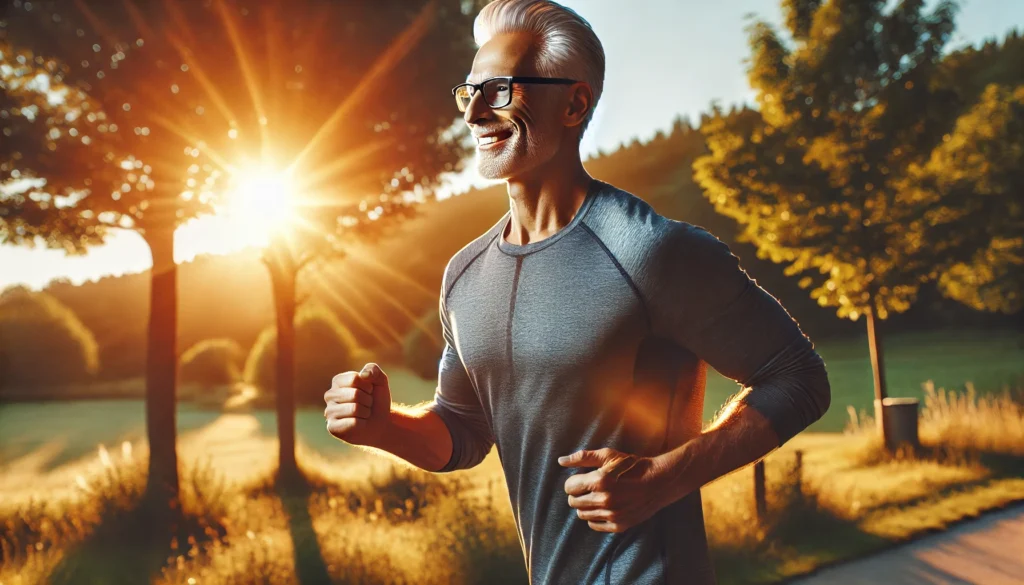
(359, 406)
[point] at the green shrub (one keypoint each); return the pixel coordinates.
(421, 351)
(42, 342)
(323, 348)
(212, 362)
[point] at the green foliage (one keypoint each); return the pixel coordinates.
(421, 349)
(816, 176)
(976, 179)
(42, 342)
(323, 348)
(212, 362)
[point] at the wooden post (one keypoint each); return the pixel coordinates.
(760, 502)
(798, 469)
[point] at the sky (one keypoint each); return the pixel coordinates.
(664, 58)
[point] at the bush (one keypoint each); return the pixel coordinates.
(323, 348)
(42, 342)
(212, 362)
(421, 352)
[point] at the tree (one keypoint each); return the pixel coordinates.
(91, 145)
(816, 176)
(975, 179)
(344, 105)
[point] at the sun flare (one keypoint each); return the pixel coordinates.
(260, 203)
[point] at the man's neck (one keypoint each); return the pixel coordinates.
(547, 200)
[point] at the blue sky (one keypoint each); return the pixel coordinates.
(664, 58)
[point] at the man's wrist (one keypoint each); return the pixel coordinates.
(679, 470)
(390, 430)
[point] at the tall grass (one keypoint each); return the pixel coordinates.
(987, 423)
(402, 525)
(960, 422)
(40, 536)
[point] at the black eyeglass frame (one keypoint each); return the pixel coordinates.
(510, 79)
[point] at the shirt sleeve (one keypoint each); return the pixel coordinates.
(457, 403)
(703, 300)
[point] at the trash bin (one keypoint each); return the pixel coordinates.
(901, 420)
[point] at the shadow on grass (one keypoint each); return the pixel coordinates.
(130, 546)
(296, 498)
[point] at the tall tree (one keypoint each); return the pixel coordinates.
(87, 150)
(847, 105)
(324, 121)
(383, 136)
(975, 180)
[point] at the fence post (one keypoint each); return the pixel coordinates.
(760, 503)
(799, 471)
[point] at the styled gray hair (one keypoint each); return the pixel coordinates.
(568, 46)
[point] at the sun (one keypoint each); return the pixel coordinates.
(260, 202)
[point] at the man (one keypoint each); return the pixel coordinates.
(578, 330)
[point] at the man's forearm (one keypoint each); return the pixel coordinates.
(782, 398)
(418, 436)
(740, 436)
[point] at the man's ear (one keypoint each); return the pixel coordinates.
(581, 99)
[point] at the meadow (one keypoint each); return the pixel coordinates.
(71, 474)
(62, 431)
(366, 520)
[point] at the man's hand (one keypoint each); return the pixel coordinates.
(624, 491)
(359, 406)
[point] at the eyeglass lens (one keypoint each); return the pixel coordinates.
(497, 94)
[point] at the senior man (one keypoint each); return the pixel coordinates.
(578, 330)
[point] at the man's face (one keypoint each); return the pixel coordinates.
(529, 130)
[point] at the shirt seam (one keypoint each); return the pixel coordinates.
(446, 294)
(466, 267)
(622, 271)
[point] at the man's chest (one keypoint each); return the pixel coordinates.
(544, 320)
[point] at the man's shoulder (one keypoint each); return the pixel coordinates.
(465, 256)
(633, 231)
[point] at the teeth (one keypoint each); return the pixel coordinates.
(488, 139)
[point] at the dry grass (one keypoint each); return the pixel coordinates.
(992, 423)
(378, 521)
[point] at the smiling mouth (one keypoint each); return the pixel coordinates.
(493, 139)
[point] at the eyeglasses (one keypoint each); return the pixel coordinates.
(498, 90)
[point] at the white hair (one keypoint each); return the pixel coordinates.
(567, 47)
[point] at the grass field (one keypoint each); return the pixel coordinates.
(71, 472)
(58, 433)
(364, 521)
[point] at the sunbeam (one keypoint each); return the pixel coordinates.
(136, 17)
(247, 73)
(214, 156)
(398, 49)
(345, 162)
(364, 259)
(384, 294)
(202, 78)
(96, 24)
(374, 327)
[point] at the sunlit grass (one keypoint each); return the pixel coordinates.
(371, 519)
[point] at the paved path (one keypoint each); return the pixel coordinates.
(986, 551)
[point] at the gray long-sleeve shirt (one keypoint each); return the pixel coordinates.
(599, 336)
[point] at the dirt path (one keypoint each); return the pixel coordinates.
(986, 551)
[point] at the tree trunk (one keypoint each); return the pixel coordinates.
(877, 361)
(283, 276)
(878, 369)
(161, 369)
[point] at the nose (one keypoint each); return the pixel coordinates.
(477, 111)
